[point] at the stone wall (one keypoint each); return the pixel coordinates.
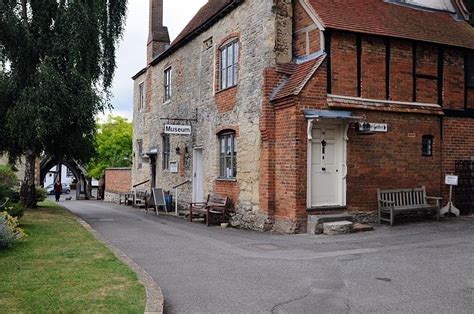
(195, 95)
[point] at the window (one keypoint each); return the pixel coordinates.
(167, 85)
(166, 152)
(470, 71)
(228, 156)
(141, 93)
(229, 55)
(427, 145)
(140, 154)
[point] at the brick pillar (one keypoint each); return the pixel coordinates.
(158, 36)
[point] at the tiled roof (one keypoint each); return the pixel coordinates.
(206, 13)
(300, 77)
(387, 19)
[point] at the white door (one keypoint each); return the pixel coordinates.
(198, 178)
(326, 165)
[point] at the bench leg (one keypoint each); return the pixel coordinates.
(380, 217)
(190, 213)
(392, 217)
(207, 219)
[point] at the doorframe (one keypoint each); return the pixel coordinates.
(345, 139)
(193, 179)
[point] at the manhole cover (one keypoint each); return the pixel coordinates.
(269, 247)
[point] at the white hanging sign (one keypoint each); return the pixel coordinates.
(451, 180)
(178, 129)
(372, 127)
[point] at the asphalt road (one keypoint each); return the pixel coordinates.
(425, 267)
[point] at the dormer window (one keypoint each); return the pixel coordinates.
(438, 5)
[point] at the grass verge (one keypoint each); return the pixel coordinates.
(62, 267)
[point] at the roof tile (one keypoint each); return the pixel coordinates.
(387, 19)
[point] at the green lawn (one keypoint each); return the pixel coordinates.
(62, 268)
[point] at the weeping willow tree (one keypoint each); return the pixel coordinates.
(57, 61)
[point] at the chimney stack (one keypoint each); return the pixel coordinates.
(158, 36)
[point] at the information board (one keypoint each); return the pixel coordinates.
(158, 199)
(451, 180)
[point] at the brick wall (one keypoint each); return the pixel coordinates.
(344, 64)
(453, 79)
(401, 70)
(392, 160)
(373, 68)
(306, 35)
(458, 142)
(118, 180)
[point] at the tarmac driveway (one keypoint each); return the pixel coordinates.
(423, 267)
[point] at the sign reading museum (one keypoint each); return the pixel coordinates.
(178, 129)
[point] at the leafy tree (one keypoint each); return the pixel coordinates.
(113, 146)
(57, 60)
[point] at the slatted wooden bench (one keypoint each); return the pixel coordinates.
(402, 201)
(215, 206)
(140, 199)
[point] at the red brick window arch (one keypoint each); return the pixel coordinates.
(227, 154)
(228, 63)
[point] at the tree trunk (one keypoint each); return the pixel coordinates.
(28, 191)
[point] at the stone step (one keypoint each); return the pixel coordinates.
(315, 222)
(362, 228)
(337, 227)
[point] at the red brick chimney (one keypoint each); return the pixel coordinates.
(158, 36)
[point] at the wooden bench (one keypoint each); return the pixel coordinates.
(140, 199)
(126, 199)
(215, 206)
(400, 201)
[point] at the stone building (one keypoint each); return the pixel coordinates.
(294, 108)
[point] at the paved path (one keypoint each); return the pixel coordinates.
(418, 268)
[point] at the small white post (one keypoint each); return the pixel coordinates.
(176, 202)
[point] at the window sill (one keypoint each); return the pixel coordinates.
(226, 180)
(226, 89)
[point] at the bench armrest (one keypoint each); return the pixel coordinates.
(198, 203)
(433, 198)
(387, 202)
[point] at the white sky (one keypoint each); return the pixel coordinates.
(131, 56)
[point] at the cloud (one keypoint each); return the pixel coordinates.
(131, 55)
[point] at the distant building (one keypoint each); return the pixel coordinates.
(294, 108)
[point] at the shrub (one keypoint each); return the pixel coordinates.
(41, 194)
(8, 183)
(9, 231)
(8, 177)
(16, 210)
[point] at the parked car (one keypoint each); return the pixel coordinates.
(65, 189)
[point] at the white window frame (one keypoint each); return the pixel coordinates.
(141, 96)
(167, 84)
(166, 142)
(226, 156)
(139, 154)
(229, 64)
